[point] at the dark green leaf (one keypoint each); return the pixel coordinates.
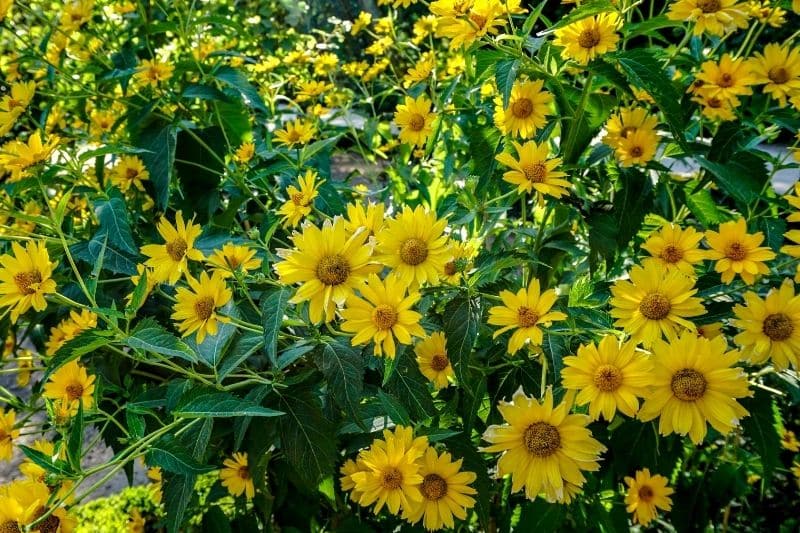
(238, 81)
(587, 9)
(462, 316)
(505, 72)
(178, 491)
(75, 441)
(540, 515)
(222, 405)
(411, 387)
(394, 409)
(761, 429)
(343, 368)
(742, 176)
(152, 337)
(86, 342)
(159, 139)
(773, 229)
(173, 457)
(273, 307)
(114, 222)
(245, 346)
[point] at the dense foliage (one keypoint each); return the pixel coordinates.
(481, 265)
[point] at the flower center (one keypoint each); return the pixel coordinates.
(74, 391)
(607, 378)
(9, 526)
(589, 38)
(726, 80)
(413, 251)
(131, 173)
(293, 136)
(333, 269)
(714, 102)
(392, 479)
(177, 249)
(535, 173)
(627, 130)
(778, 75)
(709, 6)
(637, 151)
(384, 316)
(434, 487)
(688, 385)
(417, 122)
(655, 306)
(204, 307)
(522, 108)
(244, 472)
(299, 198)
(778, 327)
(542, 439)
(736, 251)
(671, 253)
(478, 20)
(49, 524)
(645, 493)
(450, 268)
(13, 103)
(439, 362)
(527, 317)
(28, 282)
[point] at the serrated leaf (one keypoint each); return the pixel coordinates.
(411, 387)
(237, 80)
(112, 214)
(704, 208)
(150, 336)
(505, 73)
(159, 141)
(173, 457)
(273, 307)
(177, 493)
(243, 347)
(761, 429)
(222, 405)
(86, 342)
(58, 467)
(462, 316)
(587, 9)
(742, 176)
(394, 409)
(343, 369)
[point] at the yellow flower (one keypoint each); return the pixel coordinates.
(196, 309)
(534, 171)
(136, 523)
(646, 494)
(414, 246)
(301, 200)
(14, 104)
(714, 17)
(716, 108)
(544, 448)
(170, 260)
(738, 252)
(414, 118)
(363, 21)
(71, 385)
(637, 148)
(789, 441)
(421, 71)
(129, 171)
(527, 311)
(694, 382)
(673, 248)
(294, 133)
(232, 258)
(463, 253)
(610, 376)
(5, 6)
(330, 263)
(245, 152)
(793, 250)
(726, 80)
(25, 278)
(24, 502)
(347, 470)
(710, 331)
(310, 90)
(69, 328)
(433, 361)
(369, 218)
(446, 492)
(24, 365)
(653, 302)
(628, 121)
(101, 122)
(778, 67)
(482, 17)
(391, 474)
(528, 107)
(76, 14)
(236, 476)
(770, 328)
(325, 63)
(18, 156)
(153, 72)
(7, 433)
(765, 13)
(424, 26)
(589, 38)
(383, 314)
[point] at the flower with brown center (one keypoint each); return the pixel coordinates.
(588, 38)
(25, 278)
(196, 307)
(526, 110)
(535, 170)
(645, 495)
(236, 476)
(712, 17)
(738, 252)
(432, 359)
(71, 384)
(170, 260)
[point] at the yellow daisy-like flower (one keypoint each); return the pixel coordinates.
(637, 148)
(789, 441)
(25, 502)
(717, 109)
(714, 17)
(310, 90)
(463, 253)
(301, 200)
(363, 21)
(297, 132)
(646, 494)
(770, 327)
(446, 492)
(129, 172)
(421, 71)
(480, 18)
(415, 119)
(778, 68)
(347, 470)
(710, 331)
(588, 38)
(528, 107)
(330, 263)
(534, 171)
(383, 314)
(196, 308)
(370, 218)
(5, 6)
(694, 382)
(628, 121)
(414, 246)
(738, 252)
(609, 376)
(674, 248)
(245, 152)
(170, 260)
(25, 278)
(153, 72)
(433, 361)
(71, 384)
(527, 312)
(18, 156)
(793, 250)
(7, 433)
(544, 448)
(654, 302)
(232, 258)
(13, 105)
(236, 476)
(726, 80)
(391, 471)
(69, 328)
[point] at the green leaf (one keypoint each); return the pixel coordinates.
(138, 296)
(761, 429)
(649, 26)
(237, 80)
(222, 405)
(159, 140)
(462, 316)
(86, 342)
(203, 92)
(152, 337)
(112, 215)
(75, 441)
(306, 437)
(324, 145)
(742, 176)
(555, 347)
(173, 457)
(273, 307)
(177, 493)
(214, 347)
(704, 208)
(394, 409)
(773, 229)
(245, 346)
(505, 72)
(411, 387)
(58, 467)
(539, 515)
(343, 368)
